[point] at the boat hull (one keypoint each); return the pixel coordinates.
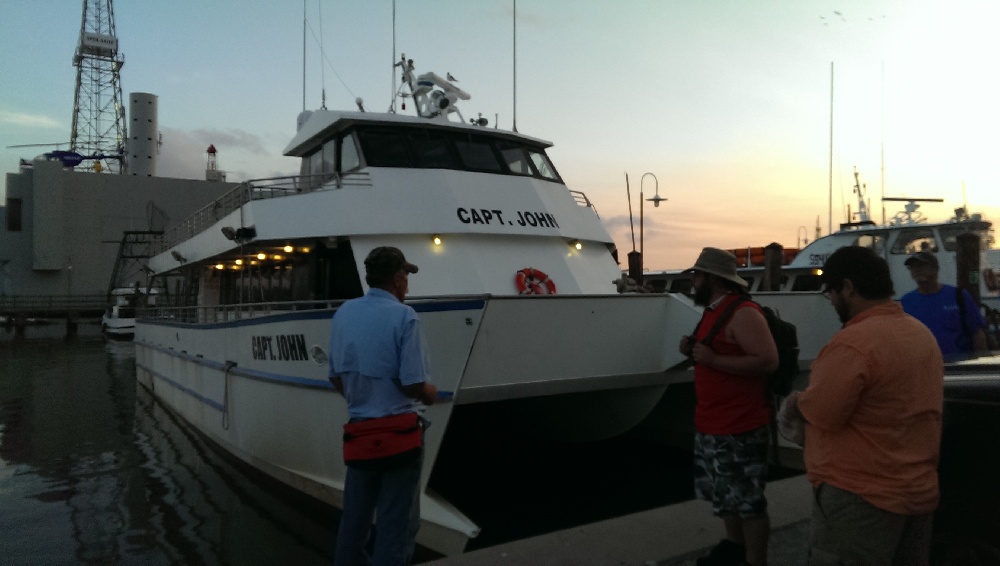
(116, 328)
(579, 368)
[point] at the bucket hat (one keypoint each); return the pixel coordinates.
(719, 263)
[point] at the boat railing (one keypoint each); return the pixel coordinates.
(582, 200)
(256, 189)
(230, 313)
(244, 311)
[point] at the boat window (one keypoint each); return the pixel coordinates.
(543, 165)
(431, 149)
(874, 241)
(950, 234)
(915, 240)
(384, 148)
(330, 156)
(477, 154)
(516, 159)
(305, 166)
(806, 282)
(349, 158)
(13, 215)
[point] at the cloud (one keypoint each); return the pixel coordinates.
(231, 139)
(27, 120)
(242, 156)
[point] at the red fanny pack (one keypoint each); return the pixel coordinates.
(383, 443)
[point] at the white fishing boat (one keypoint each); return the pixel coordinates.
(515, 293)
(118, 320)
(795, 293)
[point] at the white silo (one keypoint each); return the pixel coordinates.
(143, 138)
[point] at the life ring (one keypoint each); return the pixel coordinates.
(992, 279)
(530, 281)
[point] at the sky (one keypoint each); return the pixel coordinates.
(754, 114)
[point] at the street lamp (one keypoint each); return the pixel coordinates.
(656, 203)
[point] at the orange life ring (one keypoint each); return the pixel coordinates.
(530, 281)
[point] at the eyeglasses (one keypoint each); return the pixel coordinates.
(828, 291)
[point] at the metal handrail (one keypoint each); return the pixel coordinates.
(256, 189)
(582, 200)
(243, 311)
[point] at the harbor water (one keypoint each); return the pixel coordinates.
(93, 470)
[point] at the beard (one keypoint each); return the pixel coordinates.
(703, 293)
(842, 312)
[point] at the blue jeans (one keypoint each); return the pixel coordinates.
(393, 498)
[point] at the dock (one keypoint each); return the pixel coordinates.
(18, 311)
(668, 536)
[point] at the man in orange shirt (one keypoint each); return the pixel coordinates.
(872, 415)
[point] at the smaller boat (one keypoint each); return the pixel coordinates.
(118, 320)
(795, 291)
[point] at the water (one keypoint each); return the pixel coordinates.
(93, 470)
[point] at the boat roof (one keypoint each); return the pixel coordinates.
(318, 124)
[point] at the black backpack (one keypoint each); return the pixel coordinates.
(785, 337)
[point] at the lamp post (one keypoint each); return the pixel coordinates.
(656, 203)
(802, 237)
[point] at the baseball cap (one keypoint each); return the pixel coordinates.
(387, 260)
(923, 257)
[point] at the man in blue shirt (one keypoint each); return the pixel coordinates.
(952, 315)
(378, 362)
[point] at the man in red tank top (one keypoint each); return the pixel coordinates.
(733, 410)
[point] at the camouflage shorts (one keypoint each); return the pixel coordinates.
(730, 471)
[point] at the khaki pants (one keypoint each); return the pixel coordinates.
(849, 531)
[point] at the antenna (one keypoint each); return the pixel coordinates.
(303, 55)
(515, 65)
(829, 206)
(99, 126)
(392, 108)
(859, 189)
(322, 52)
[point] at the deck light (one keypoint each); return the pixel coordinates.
(262, 256)
(288, 249)
(219, 266)
(576, 244)
(437, 239)
(238, 262)
(277, 257)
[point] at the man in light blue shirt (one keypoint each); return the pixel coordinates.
(378, 362)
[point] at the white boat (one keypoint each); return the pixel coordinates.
(796, 294)
(515, 293)
(118, 320)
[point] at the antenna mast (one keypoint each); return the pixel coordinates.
(99, 126)
(515, 65)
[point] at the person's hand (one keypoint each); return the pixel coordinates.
(430, 393)
(791, 425)
(702, 354)
(685, 346)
